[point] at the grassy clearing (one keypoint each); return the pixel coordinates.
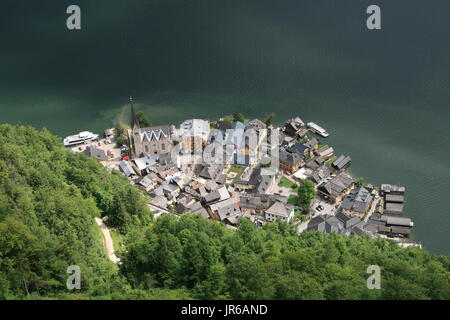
(285, 182)
(236, 169)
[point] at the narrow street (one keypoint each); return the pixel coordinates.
(372, 209)
(107, 240)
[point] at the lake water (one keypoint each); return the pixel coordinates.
(383, 95)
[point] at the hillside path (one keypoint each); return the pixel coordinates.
(107, 240)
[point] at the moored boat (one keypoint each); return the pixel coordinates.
(80, 138)
(317, 129)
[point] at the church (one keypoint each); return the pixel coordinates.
(150, 140)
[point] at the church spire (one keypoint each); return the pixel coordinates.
(134, 120)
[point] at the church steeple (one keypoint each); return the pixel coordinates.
(134, 120)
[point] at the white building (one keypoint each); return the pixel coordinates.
(279, 212)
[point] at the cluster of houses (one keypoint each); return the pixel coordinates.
(225, 170)
(390, 218)
(169, 164)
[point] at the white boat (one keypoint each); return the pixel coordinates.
(81, 138)
(317, 129)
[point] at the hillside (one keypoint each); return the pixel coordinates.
(274, 262)
(48, 201)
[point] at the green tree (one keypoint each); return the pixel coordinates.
(120, 134)
(119, 129)
(228, 119)
(143, 119)
(306, 194)
(269, 118)
(239, 117)
(361, 182)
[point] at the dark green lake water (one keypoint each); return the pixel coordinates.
(383, 95)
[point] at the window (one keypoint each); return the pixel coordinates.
(163, 146)
(146, 149)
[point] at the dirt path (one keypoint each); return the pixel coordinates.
(107, 240)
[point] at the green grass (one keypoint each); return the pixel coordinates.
(332, 159)
(117, 240)
(285, 182)
(238, 170)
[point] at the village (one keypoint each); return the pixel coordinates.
(229, 169)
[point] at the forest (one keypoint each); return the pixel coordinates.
(49, 198)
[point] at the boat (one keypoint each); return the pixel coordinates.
(81, 138)
(317, 129)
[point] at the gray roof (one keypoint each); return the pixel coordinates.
(260, 179)
(290, 158)
(400, 230)
(395, 198)
(394, 207)
(325, 150)
(294, 125)
(321, 173)
(311, 143)
(228, 211)
(358, 200)
(279, 209)
(264, 184)
(202, 191)
(95, 152)
(211, 171)
(225, 203)
(250, 202)
(337, 185)
(341, 223)
(147, 161)
(315, 162)
(159, 201)
(194, 128)
(158, 191)
(223, 192)
(326, 223)
(126, 168)
(398, 221)
(298, 148)
(212, 197)
(211, 185)
(155, 133)
(197, 207)
(144, 181)
(388, 188)
(302, 132)
(182, 181)
(257, 124)
(171, 188)
(342, 162)
(220, 179)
